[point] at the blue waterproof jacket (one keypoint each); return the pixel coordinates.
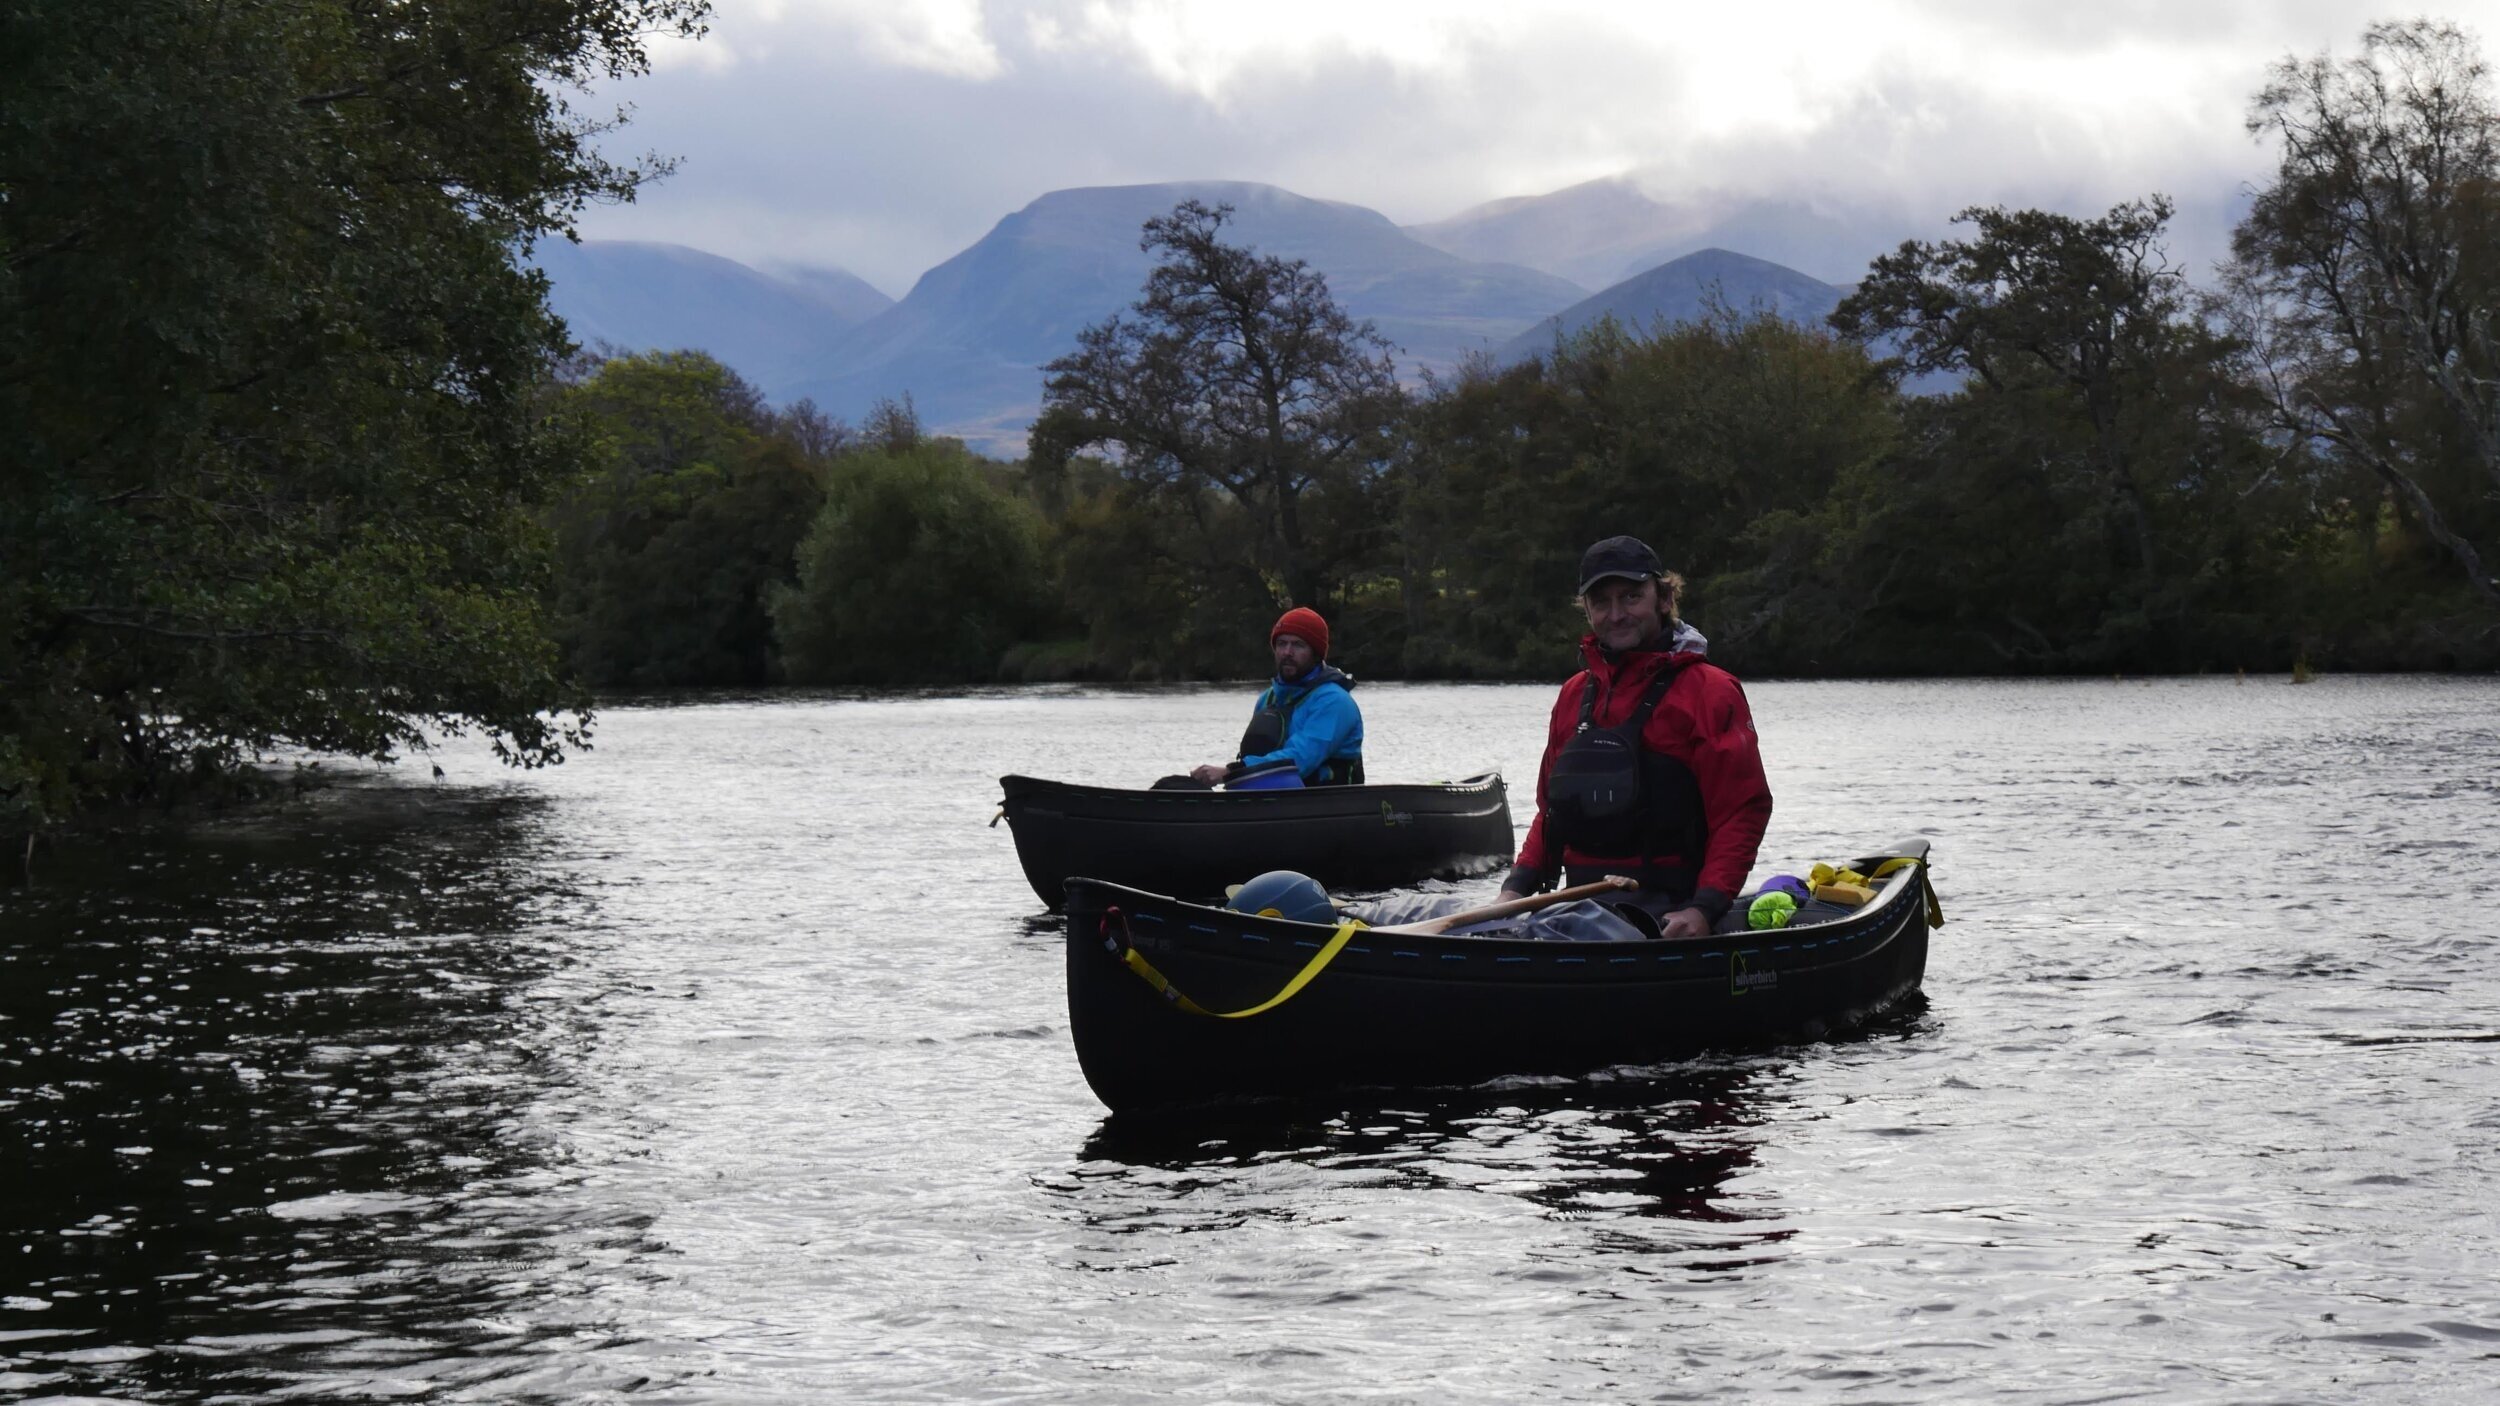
(1323, 727)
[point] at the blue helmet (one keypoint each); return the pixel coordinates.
(1282, 893)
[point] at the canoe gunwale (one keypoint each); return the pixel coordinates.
(1279, 938)
(1024, 792)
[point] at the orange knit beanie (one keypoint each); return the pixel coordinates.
(1305, 622)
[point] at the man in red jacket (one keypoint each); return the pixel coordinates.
(1651, 765)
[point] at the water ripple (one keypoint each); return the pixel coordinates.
(729, 1063)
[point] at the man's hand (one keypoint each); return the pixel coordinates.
(1207, 775)
(1684, 922)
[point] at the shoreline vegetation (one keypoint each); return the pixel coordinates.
(308, 464)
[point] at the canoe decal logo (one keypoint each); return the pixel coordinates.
(1743, 978)
(1389, 816)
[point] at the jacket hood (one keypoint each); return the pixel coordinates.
(1322, 672)
(1682, 640)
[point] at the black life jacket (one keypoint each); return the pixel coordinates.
(1612, 798)
(1274, 720)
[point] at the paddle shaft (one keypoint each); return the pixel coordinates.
(1612, 883)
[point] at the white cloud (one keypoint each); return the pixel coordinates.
(885, 135)
(1206, 49)
(949, 38)
(671, 53)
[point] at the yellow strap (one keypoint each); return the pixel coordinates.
(1327, 953)
(1935, 910)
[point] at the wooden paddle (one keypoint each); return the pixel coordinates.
(1612, 883)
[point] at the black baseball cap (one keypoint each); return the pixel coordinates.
(1619, 556)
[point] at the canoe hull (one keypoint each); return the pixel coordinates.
(1412, 1011)
(1196, 842)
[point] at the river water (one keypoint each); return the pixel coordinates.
(728, 1062)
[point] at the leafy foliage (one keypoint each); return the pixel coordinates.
(1721, 442)
(669, 554)
(918, 569)
(276, 456)
(2091, 476)
(2369, 272)
(1237, 375)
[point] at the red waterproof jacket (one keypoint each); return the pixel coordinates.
(1703, 722)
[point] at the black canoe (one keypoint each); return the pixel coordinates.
(1405, 1011)
(1196, 842)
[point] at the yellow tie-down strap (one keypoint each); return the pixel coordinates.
(1136, 962)
(1935, 910)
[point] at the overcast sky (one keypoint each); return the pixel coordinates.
(883, 136)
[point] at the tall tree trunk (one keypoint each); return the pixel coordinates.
(2410, 491)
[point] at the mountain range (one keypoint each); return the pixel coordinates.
(966, 343)
(1599, 233)
(968, 339)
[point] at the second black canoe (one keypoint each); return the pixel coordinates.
(1194, 843)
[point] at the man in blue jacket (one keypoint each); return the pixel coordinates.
(1305, 716)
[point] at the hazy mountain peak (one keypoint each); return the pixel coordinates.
(1269, 218)
(1607, 197)
(1600, 231)
(846, 294)
(1685, 290)
(644, 296)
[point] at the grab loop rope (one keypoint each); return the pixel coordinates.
(1935, 909)
(1125, 948)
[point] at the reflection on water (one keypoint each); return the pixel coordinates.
(730, 1063)
(274, 1094)
(1664, 1145)
(1653, 1160)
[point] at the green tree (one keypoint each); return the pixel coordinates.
(2371, 266)
(1132, 568)
(2078, 312)
(1235, 375)
(920, 568)
(1723, 442)
(275, 448)
(2090, 474)
(1736, 436)
(668, 555)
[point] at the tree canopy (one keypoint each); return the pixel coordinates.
(1725, 443)
(1234, 374)
(919, 568)
(277, 446)
(667, 555)
(2371, 269)
(2092, 468)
